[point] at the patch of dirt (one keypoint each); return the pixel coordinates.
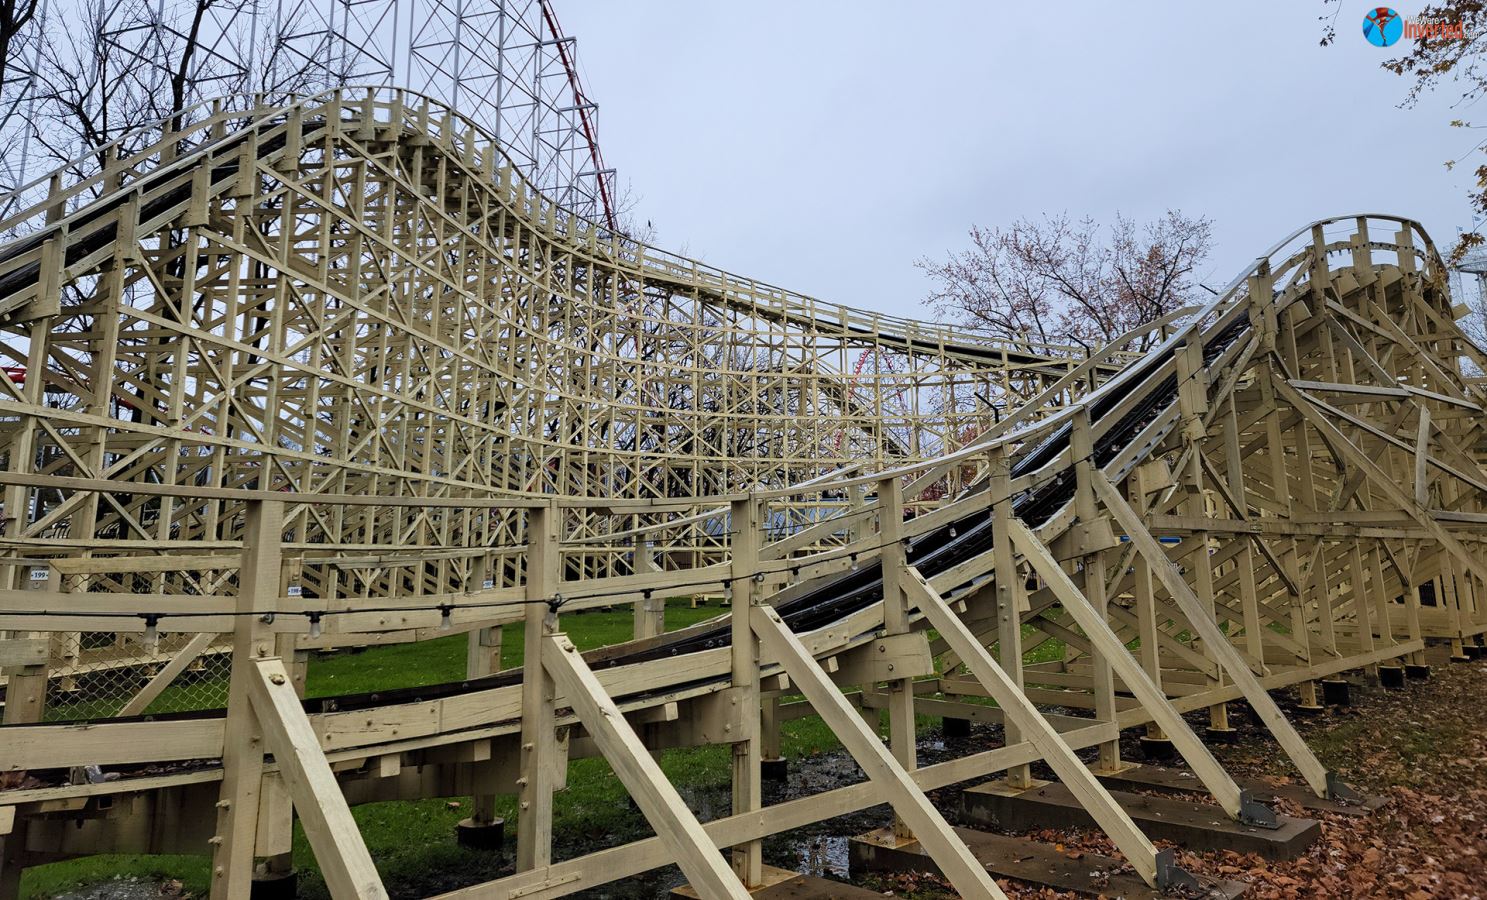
(126, 889)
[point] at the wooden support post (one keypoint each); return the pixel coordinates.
(771, 756)
(1113, 820)
(483, 650)
(1147, 627)
(1362, 612)
(650, 610)
(1206, 628)
(663, 807)
(1254, 629)
(484, 828)
(242, 751)
(902, 736)
(1192, 400)
(1009, 590)
(1281, 491)
(748, 777)
(1089, 538)
(26, 686)
(952, 856)
(538, 736)
(1138, 682)
(339, 849)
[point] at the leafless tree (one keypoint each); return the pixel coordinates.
(118, 67)
(15, 16)
(1055, 278)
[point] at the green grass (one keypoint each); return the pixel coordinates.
(410, 839)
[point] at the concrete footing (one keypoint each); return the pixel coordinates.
(1180, 782)
(274, 886)
(1337, 693)
(1221, 735)
(1197, 826)
(955, 728)
(1158, 749)
(481, 835)
(781, 884)
(1009, 857)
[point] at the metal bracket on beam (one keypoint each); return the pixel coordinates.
(1340, 791)
(1174, 879)
(1253, 812)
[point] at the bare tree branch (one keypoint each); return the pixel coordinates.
(1053, 278)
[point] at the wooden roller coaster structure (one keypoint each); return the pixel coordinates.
(287, 374)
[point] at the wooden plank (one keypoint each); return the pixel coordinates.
(960, 868)
(1018, 708)
(339, 849)
(663, 807)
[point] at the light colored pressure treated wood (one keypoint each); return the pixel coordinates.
(324, 372)
(332, 833)
(663, 807)
(952, 857)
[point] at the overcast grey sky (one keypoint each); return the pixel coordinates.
(825, 146)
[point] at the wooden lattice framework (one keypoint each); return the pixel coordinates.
(328, 373)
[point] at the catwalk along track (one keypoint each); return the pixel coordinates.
(291, 374)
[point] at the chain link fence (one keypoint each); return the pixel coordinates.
(103, 674)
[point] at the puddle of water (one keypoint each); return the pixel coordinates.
(822, 855)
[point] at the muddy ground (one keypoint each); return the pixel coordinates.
(1424, 748)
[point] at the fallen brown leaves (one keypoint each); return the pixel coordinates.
(1424, 748)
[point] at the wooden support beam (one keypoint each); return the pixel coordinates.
(699, 859)
(242, 746)
(1207, 629)
(1139, 683)
(1015, 705)
(747, 778)
(955, 861)
(178, 663)
(339, 849)
(538, 737)
(1009, 591)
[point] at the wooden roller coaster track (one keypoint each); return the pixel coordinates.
(286, 374)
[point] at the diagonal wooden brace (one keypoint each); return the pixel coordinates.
(949, 852)
(1235, 802)
(1154, 870)
(695, 852)
(1206, 627)
(1311, 409)
(162, 680)
(332, 832)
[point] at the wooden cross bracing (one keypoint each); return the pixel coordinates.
(328, 373)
